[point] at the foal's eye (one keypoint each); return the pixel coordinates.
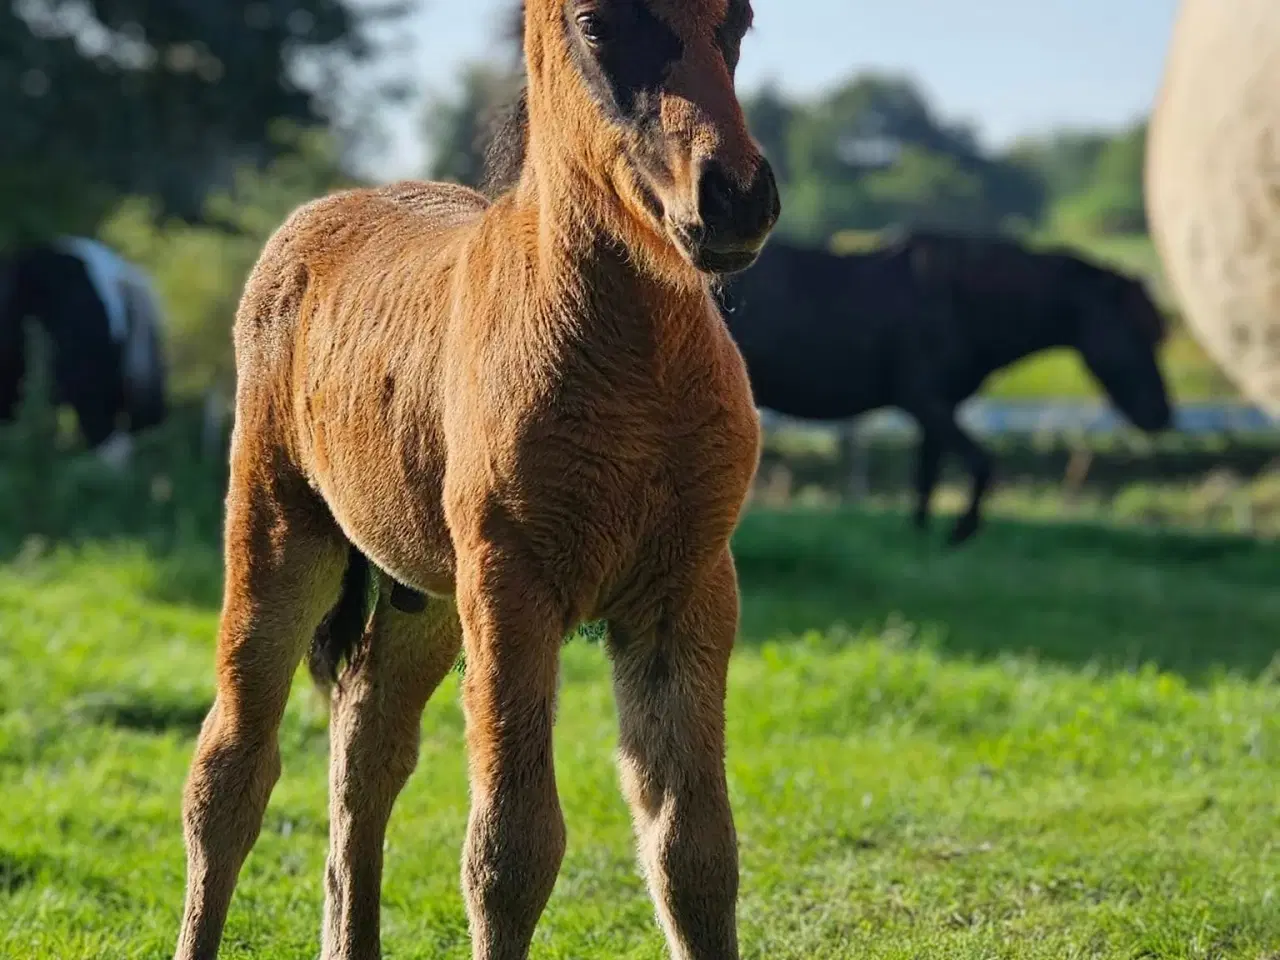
(593, 28)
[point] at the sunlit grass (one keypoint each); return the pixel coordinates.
(1075, 754)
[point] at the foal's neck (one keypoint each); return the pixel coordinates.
(590, 250)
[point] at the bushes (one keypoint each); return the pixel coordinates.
(54, 490)
(199, 269)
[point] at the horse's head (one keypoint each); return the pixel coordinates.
(637, 96)
(1119, 331)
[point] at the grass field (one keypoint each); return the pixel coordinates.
(1062, 742)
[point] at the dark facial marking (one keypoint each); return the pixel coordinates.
(624, 52)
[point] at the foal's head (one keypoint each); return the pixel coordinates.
(637, 97)
(1119, 331)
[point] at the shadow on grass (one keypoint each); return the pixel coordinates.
(142, 713)
(1075, 594)
(17, 872)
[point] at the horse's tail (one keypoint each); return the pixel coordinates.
(337, 639)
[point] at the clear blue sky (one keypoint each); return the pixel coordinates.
(1010, 67)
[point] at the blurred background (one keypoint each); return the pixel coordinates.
(181, 134)
(1059, 740)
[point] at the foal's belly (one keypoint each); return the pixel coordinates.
(384, 489)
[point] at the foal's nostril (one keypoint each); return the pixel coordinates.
(732, 214)
(716, 200)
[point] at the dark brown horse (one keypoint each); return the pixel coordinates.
(922, 323)
(515, 416)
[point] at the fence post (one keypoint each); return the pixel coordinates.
(35, 435)
(853, 454)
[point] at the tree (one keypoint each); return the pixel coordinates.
(769, 116)
(1064, 162)
(1111, 199)
(927, 189)
(873, 153)
(457, 128)
(104, 97)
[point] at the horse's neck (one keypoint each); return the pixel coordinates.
(1006, 326)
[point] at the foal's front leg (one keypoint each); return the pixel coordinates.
(515, 836)
(669, 679)
(374, 732)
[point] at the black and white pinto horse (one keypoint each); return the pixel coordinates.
(103, 320)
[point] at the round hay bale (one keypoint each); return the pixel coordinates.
(1213, 185)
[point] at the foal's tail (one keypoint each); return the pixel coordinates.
(337, 639)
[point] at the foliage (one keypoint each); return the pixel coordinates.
(199, 269)
(1058, 763)
(457, 127)
(161, 99)
(1098, 181)
(872, 152)
(1063, 161)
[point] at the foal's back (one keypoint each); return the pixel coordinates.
(341, 338)
(347, 286)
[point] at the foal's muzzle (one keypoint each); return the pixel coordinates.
(734, 222)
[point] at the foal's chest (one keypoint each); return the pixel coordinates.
(637, 466)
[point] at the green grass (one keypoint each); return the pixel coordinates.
(1074, 753)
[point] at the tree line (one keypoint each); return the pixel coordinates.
(104, 99)
(183, 133)
(874, 153)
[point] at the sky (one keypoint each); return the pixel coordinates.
(1008, 67)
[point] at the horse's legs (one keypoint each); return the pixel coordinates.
(928, 465)
(978, 462)
(377, 711)
(284, 562)
(515, 835)
(669, 680)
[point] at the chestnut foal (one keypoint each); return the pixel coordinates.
(525, 414)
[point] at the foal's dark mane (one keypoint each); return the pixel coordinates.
(508, 141)
(504, 154)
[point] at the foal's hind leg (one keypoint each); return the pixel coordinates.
(377, 711)
(284, 562)
(669, 680)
